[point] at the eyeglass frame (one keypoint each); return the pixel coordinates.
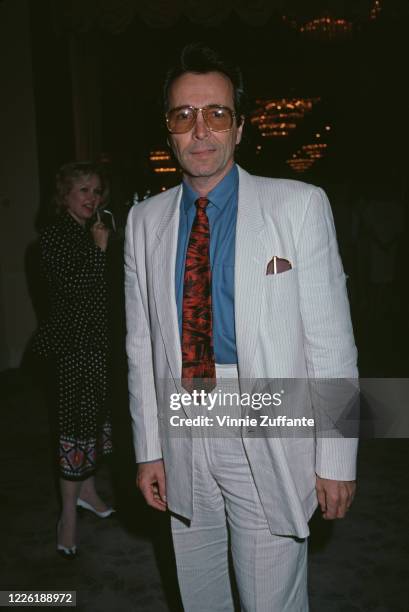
(196, 110)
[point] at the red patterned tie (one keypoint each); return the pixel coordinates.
(197, 336)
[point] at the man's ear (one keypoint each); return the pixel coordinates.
(240, 130)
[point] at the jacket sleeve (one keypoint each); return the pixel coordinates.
(142, 395)
(329, 346)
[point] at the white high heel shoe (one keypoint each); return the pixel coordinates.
(86, 506)
(65, 552)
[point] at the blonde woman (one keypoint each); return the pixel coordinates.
(73, 339)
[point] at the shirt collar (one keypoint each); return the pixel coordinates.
(69, 221)
(219, 196)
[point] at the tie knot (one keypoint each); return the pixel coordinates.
(202, 203)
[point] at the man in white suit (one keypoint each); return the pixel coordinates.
(278, 309)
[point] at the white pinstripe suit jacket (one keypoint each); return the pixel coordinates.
(290, 325)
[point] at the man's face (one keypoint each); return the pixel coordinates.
(202, 153)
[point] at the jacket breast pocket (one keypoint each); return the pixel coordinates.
(281, 293)
(282, 279)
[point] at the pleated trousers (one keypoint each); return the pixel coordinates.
(270, 571)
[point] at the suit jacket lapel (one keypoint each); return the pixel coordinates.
(163, 266)
(249, 272)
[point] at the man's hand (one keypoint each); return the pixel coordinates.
(334, 496)
(150, 480)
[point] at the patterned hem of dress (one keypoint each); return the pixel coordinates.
(78, 458)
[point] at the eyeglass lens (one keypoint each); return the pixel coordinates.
(217, 118)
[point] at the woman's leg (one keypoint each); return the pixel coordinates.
(89, 494)
(68, 521)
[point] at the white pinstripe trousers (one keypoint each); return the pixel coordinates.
(270, 570)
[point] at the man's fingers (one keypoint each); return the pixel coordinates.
(151, 482)
(322, 499)
(338, 496)
(151, 495)
(343, 503)
(162, 488)
(156, 503)
(346, 499)
(332, 506)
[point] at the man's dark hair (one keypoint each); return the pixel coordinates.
(200, 59)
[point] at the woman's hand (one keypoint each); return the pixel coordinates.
(100, 234)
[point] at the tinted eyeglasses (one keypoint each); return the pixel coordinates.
(217, 118)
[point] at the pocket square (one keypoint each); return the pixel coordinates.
(278, 265)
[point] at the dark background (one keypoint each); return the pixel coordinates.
(360, 78)
(98, 72)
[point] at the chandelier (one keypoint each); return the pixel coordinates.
(278, 117)
(161, 161)
(308, 154)
(327, 27)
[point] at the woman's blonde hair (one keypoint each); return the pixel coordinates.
(69, 173)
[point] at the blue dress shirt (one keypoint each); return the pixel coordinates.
(222, 215)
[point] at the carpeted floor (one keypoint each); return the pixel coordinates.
(125, 563)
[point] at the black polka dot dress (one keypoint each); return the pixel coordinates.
(74, 340)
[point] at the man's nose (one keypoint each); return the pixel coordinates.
(200, 129)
